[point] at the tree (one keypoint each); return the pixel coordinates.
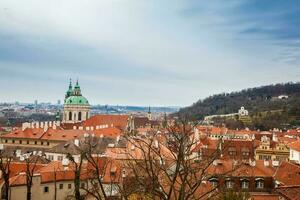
(31, 162)
(163, 165)
(233, 195)
(91, 165)
(5, 161)
(77, 167)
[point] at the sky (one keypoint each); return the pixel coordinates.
(145, 52)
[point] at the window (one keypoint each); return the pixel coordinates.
(59, 158)
(61, 186)
(35, 142)
(48, 143)
(27, 141)
(259, 183)
(229, 184)
(20, 141)
(50, 157)
(42, 143)
(214, 181)
(46, 189)
(79, 116)
(244, 184)
(13, 141)
(232, 151)
(70, 115)
(5, 141)
(69, 186)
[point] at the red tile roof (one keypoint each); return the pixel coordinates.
(288, 174)
(119, 121)
(60, 134)
(34, 133)
(289, 192)
(295, 145)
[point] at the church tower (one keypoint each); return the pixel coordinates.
(149, 114)
(76, 106)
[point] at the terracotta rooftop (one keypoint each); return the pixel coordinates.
(295, 145)
(288, 174)
(119, 121)
(289, 192)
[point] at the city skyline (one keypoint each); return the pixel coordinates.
(144, 53)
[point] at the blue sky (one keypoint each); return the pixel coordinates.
(154, 52)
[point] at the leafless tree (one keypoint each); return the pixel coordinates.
(31, 162)
(77, 168)
(163, 166)
(5, 161)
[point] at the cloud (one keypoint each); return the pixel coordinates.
(146, 52)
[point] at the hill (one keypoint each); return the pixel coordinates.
(266, 105)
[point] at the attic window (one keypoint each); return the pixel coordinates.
(66, 145)
(63, 135)
(34, 133)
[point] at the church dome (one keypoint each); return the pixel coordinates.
(77, 100)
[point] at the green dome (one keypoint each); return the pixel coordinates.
(76, 100)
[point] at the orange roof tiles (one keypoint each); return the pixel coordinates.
(288, 174)
(119, 121)
(289, 192)
(33, 133)
(295, 145)
(60, 134)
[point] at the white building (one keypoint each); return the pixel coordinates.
(295, 151)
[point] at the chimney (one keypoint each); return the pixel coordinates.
(25, 125)
(57, 123)
(156, 145)
(45, 127)
(65, 163)
(74, 127)
(37, 124)
(87, 128)
(50, 124)
(80, 128)
(266, 163)
(92, 128)
(54, 126)
(42, 125)
(32, 125)
(76, 142)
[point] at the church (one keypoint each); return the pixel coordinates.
(76, 106)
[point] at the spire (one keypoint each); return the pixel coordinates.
(70, 90)
(70, 85)
(77, 90)
(149, 114)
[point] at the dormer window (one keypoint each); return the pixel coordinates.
(244, 183)
(232, 151)
(259, 183)
(214, 181)
(229, 184)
